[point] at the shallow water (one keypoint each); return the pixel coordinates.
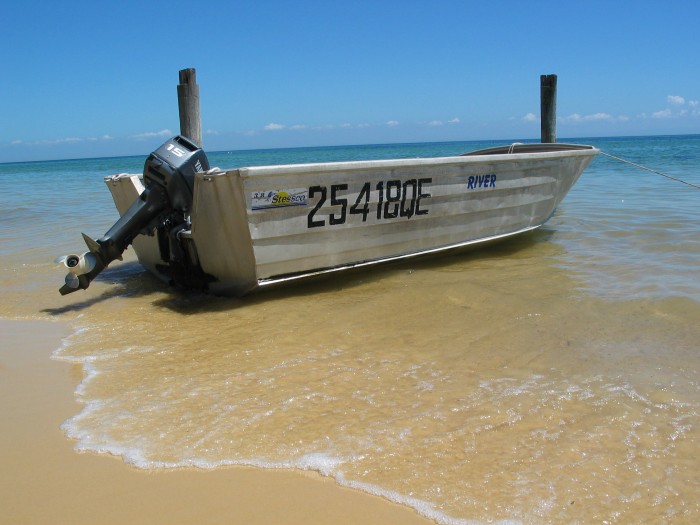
(551, 378)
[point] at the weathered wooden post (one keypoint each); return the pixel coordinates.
(548, 108)
(188, 105)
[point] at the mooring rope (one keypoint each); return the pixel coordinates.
(651, 170)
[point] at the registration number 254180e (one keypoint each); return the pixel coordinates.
(387, 200)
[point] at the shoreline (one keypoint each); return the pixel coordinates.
(45, 480)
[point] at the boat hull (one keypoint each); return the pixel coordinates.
(258, 226)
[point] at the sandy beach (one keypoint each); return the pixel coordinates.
(45, 481)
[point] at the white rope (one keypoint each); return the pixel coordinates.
(512, 147)
(651, 170)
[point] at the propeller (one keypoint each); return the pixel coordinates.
(78, 264)
(80, 267)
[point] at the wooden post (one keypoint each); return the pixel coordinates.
(548, 108)
(188, 105)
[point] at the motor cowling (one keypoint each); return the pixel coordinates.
(173, 167)
(163, 208)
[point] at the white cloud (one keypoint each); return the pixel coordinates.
(677, 110)
(272, 126)
(65, 140)
(298, 126)
(153, 134)
(436, 122)
(392, 123)
(575, 117)
(211, 132)
(530, 117)
(664, 113)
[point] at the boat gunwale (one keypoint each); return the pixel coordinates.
(475, 157)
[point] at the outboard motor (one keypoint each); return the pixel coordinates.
(163, 207)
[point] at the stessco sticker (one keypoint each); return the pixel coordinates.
(262, 200)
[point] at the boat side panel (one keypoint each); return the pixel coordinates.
(220, 233)
(364, 211)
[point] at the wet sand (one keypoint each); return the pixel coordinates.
(44, 480)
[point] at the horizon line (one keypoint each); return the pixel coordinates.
(228, 151)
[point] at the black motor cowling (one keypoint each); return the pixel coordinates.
(163, 207)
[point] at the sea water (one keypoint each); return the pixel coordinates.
(551, 378)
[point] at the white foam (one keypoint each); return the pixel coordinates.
(422, 507)
(322, 462)
(60, 352)
(319, 462)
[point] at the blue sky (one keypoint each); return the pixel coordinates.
(92, 79)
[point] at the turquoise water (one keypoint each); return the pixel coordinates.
(552, 378)
(634, 224)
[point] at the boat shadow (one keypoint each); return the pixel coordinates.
(131, 280)
(187, 302)
(128, 279)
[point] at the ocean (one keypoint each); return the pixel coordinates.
(550, 378)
